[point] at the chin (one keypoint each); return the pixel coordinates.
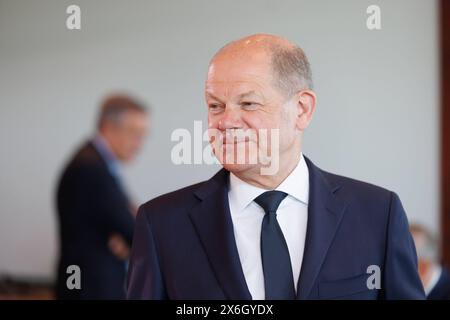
(234, 167)
(127, 158)
(237, 168)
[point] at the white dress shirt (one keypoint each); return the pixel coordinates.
(247, 216)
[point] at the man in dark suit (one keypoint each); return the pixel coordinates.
(95, 216)
(435, 277)
(270, 224)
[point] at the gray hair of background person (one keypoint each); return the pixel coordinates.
(114, 106)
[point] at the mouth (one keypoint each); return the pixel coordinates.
(238, 136)
(234, 140)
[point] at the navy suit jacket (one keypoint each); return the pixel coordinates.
(441, 290)
(91, 206)
(184, 246)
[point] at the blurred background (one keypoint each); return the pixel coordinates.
(377, 119)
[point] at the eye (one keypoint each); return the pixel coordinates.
(249, 105)
(214, 107)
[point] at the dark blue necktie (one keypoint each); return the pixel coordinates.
(277, 268)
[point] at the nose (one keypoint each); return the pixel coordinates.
(230, 119)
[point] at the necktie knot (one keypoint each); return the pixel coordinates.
(270, 200)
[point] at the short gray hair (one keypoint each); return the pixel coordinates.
(291, 68)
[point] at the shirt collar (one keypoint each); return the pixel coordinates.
(295, 185)
(102, 146)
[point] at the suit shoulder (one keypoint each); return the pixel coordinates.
(86, 155)
(358, 189)
(84, 166)
(173, 202)
(85, 160)
(369, 206)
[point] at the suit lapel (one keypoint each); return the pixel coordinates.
(212, 221)
(325, 212)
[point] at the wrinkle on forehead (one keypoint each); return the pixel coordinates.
(225, 89)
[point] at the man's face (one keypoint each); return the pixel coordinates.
(127, 136)
(241, 96)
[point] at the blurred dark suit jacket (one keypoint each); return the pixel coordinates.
(184, 246)
(441, 290)
(91, 206)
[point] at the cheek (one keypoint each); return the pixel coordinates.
(261, 124)
(288, 131)
(213, 128)
(213, 121)
(127, 144)
(258, 121)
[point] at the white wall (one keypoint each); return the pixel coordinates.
(377, 117)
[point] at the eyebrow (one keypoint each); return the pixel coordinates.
(246, 94)
(240, 96)
(213, 96)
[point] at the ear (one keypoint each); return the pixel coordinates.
(306, 105)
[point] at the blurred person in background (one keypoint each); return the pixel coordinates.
(96, 218)
(435, 277)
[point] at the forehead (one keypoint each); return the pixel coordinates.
(134, 118)
(234, 73)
